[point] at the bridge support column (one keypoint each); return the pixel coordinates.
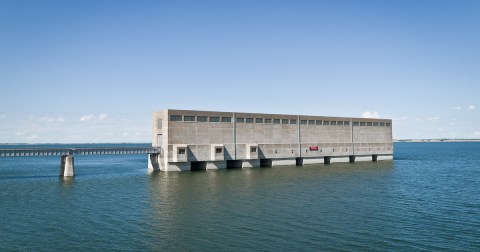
(153, 164)
(66, 166)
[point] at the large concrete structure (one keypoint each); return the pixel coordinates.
(192, 140)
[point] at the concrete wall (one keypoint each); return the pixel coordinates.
(251, 137)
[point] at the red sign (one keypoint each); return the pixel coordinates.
(313, 148)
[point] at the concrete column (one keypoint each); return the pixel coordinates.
(153, 162)
(66, 166)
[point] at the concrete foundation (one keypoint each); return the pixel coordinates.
(363, 158)
(339, 160)
(251, 163)
(66, 166)
(216, 165)
(185, 166)
(153, 162)
(384, 157)
(307, 161)
(282, 162)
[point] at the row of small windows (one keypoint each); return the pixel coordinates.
(179, 118)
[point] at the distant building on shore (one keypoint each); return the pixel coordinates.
(198, 140)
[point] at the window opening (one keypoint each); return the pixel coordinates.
(202, 118)
(214, 119)
(189, 118)
(176, 118)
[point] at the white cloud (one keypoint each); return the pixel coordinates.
(21, 133)
(368, 114)
(471, 107)
(92, 117)
(102, 116)
(457, 108)
(87, 118)
(52, 119)
(476, 133)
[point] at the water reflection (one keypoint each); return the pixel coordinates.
(235, 201)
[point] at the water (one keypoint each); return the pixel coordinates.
(427, 199)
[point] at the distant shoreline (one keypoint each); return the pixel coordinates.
(436, 140)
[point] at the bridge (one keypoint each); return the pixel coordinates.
(66, 154)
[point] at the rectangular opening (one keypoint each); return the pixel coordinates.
(351, 159)
(303, 121)
(293, 121)
(340, 123)
(356, 123)
(374, 158)
(326, 122)
(318, 122)
(362, 124)
(234, 164)
(258, 120)
(198, 166)
(202, 118)
(369, 124)
(226, 119)
(240, 120)
(253, 149)
(182, 151)
(218, 150)
(268, 120)
(214, 119)
(176, 118)
(249, 120)
(326, 160)
(265, 163)
(284, 121)
(333, 123)
(276, 121)
(299, 161)
(189, 118)
(346, 123)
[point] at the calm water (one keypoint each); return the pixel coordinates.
(428, 198)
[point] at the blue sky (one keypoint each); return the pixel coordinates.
(94, 71)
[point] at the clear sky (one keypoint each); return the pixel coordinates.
(94, 71)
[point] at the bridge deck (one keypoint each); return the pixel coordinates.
(76, 151)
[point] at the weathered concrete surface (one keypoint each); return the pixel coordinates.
(187, 136)
(67, 166)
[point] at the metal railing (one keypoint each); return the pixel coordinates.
(27, 152)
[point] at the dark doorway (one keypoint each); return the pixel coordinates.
(198, 166)
(265, 163)
(232, 164)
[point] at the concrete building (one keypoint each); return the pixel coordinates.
(198, 140)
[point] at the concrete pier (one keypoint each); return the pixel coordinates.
(67, 166)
